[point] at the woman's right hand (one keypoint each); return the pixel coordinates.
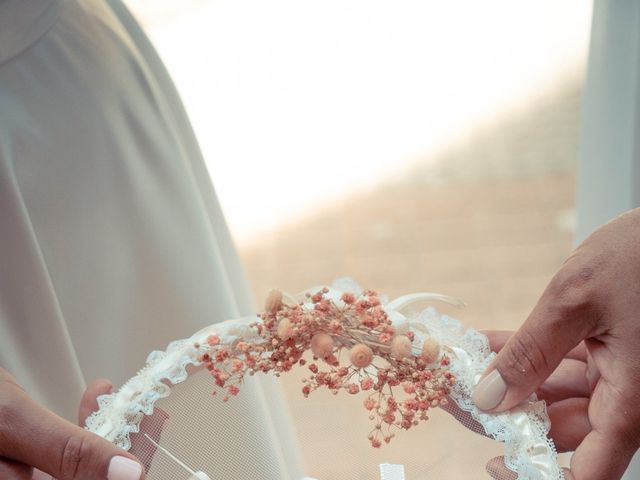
(33, 437)
(586, 329)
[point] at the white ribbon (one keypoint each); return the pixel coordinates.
(389, 471)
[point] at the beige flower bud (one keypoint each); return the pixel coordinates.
(322, 345)
(273, 302)
(284, 328)
(361, 355)
(401, 346)
(430, 350)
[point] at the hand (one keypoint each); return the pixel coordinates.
(31, 436)
(566, 392)
(151, 425)
(580, 348)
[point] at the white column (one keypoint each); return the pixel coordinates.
(609, 166)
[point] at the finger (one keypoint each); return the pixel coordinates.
(151, 425)
(593, 374)
(39, 475)
(89, 402)
(601, 456)
(498, 470)
(562, 318)
(11, 470)
(607, 450)
(579, 352)
(569, 380)
(569, 423)
(499, 338)
(34, 436)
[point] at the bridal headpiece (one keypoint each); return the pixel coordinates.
(350, 341)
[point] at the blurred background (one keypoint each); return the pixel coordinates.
(414, 146)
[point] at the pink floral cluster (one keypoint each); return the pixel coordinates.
(401, 383)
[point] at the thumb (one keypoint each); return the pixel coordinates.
(35, 436)
(563, 317)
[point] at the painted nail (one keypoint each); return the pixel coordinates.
(490, 391)
(39, 475)
(123, 468)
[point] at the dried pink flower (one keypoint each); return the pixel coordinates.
(237, 364)
(411, 404)
(348, 298)
(409, 388)
(287, 331)
(366, 383)
(361, 355)
(385, 337)
(369, 321)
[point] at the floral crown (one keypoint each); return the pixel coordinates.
(352, 340)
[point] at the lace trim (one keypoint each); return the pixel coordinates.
(528, 450)
(120, 413)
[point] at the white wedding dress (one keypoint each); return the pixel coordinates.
(112, 242)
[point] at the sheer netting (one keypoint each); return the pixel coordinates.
(168, 417)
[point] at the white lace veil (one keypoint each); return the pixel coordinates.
(167, 416)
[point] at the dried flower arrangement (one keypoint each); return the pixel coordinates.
(402, 381)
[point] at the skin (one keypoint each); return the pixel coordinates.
(566, 391)
(580, 350)
(33, 437)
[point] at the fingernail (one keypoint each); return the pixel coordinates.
(490, 391)
(39, 475)
(123, 468)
